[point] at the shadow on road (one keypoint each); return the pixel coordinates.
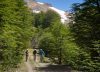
(54, 68)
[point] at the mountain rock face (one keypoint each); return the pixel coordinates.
(37, 7)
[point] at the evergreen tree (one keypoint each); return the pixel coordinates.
(86, 29)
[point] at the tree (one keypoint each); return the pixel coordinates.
(15, 32)
(55, 38)
(44, 20)
(86, 27)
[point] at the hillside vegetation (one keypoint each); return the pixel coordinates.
(76, 44)
(15, 32)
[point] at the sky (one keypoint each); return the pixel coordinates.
(62, 4)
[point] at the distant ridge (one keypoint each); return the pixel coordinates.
(37, 7)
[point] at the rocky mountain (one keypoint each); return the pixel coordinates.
(37, 7)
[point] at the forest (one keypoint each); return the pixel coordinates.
(76, 44)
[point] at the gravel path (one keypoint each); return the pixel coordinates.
(48, 67)
(45, 67)
(29, 67)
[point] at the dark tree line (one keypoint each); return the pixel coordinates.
(86, 29)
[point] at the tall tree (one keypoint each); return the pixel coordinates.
(55, 38)
(86, 27)
(15, 32)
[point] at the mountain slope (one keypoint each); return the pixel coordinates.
(38, 7)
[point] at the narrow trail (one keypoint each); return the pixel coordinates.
(44, 67)
(48, 67)
(29, 66)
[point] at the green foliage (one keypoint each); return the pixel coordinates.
(86, 29)
(47, 43)
(15, 32)
(55, 38)
(77, 45)
(45, 20)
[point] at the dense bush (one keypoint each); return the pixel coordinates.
(55, 38)
(15, 32)
(86, 31)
